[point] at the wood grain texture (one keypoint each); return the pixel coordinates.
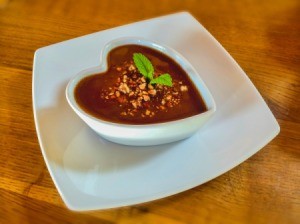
(262, 36)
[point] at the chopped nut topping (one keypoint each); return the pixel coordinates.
(168, 97)
(152, 92)
(146, 97)
(150, 86)
(142, 86)
(124, 88)
(131, 68)
(136, 97)
(183, 88)
(134, 104)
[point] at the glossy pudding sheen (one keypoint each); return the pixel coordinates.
(123, 95)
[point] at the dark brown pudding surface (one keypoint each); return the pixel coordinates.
(123, 95)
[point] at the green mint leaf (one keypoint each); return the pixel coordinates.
(144, 65)
(146, 68)
(164, 79)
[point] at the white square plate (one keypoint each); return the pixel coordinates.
(92, 173)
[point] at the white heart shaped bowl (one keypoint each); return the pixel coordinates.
(148, 134)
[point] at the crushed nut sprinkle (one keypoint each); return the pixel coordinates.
(183, 88)
(133, 93)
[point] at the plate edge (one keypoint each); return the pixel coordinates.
(70, 205)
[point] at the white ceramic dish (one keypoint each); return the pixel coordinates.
(92, 173)
(143, 135)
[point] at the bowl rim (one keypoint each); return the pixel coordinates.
(102, 67)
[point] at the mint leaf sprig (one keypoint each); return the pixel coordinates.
(146, 68)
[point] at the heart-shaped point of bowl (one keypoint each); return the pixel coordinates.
(143, 134)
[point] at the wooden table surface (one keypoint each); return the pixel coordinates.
(262, 36)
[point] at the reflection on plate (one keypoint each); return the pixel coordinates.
(92, 173)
